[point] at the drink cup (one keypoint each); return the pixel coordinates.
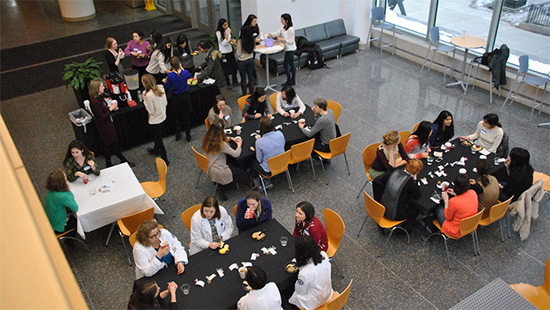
(497, 161)
(242, 272)
(185, 288)
(238, 139)
(302, 121)
(445, 186)
(85, 181)
(448, 146)
(464, 33)
(163, 243)
(473, 149)
(284, 241)
(238, 129)
(291, 112)
(462, 171)
(430, 160)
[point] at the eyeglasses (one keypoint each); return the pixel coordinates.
(155, 235)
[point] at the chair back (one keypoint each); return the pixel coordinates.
(207, 123)
(404, 136)
(335, 227)
(273, 101)
(241, 101)
(133, 238)
(546, 284)
(416, 127)
(201, 160)
(377, 14)
(545, 180)
(188, 214)
(336, 109)
(523, 64)
(162, 169)
(499, 210)
(339, 145)
(340, 301)
(302, 151)
(235, 210)
(129, 224)
(434, 34)
(469, 224)
(279, 164)
(369, 154)
(374, 209)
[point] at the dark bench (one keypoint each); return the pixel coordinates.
(330, 36)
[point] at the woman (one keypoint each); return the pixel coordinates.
(183, 51)
(147, 295)
(216, 148)
(463, 204)
(387, 154)
(256, 105)
(516, 176)
(250, 35)
(443, 129)
(113, 56)
(140, 51)
(489, 196)
(229, 64)
(307, 224)
(59, 200)
(104, 122)
(155, 37)
(212, 68)
(252, 211)
(154, 99)
(159, 65)
(221, 111)
(288, 100)
(180, 103)
(417, 143)
(270, 144)
(313, 287)
(263, 296)
(286, 34)
(488, 134)
(79, 162)
(209, 226)
(150, 256)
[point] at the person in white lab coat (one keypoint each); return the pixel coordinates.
(150, 257)
(209, 226)
(313, 287)
(263, 296)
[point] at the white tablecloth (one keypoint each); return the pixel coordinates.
(126, 196)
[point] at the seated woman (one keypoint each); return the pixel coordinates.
(387, 154)
(488, 134)
(215, 146)
(256, 106)
(147, 295)
(516, 176)
(288, 100)
(150, 256)
(221, 111)
(463, 204)
(209, 226)
(417, 143)
(59, 199)
(212, 68)
(313, 287)
(443, 129)
(307, 224)
(252, 211)
(489, 196)
(263, 296)
(271, 144)
(79, 162)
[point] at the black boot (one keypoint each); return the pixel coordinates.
(221, 193)
(251, 87)
(235, 82)
(292, 82)
(243, 88)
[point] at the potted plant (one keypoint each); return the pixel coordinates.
(79, 76)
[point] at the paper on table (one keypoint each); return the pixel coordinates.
(254, 256)
(270, 49)
(233, 266)
(209, 81)
(247, 264)
(220, 272)
(485, 152)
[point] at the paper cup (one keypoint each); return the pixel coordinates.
(482, 157)
(242, 272)
(444, 185)
(464, 33)
(462, 171)
(163, 243)
(238, 139)
(291, 112)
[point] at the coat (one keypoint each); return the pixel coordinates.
(212, 68)
(266, 298)
(313, 287)
(526, 208)
(201, 233)
(103, 120)
(246, 224)
(218, 171)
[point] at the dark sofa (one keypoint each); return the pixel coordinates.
(330, 36)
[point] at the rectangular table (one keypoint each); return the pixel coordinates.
(126, 196)
(224, 293)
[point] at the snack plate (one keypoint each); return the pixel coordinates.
(293, 264)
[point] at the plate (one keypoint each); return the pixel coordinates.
(290, 265)
(257, 239)
(466, 143)
(246, 287)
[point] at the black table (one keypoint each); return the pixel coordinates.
(224, 293)
(424, 203)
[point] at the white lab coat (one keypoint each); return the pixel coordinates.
(201, 233)
(313, 287)
(266, 298)
(144, 257)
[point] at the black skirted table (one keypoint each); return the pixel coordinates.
(224, 292)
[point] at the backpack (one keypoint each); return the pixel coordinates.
(315, 60)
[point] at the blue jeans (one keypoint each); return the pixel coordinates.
(246, 68)
(440, 214)
(289, 60)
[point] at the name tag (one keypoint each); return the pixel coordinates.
(226, 117)
(135, 49)
(87, 167)
(483, 131)
(184, 54)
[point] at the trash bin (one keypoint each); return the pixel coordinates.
(84, 129)
(80, 117)
(132, 79)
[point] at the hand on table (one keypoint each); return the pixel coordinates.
(82, 175)
(257, 115)
(500, 186)
(181, 269)
(296, 115)
(301, 125)
(214, 245)
(286, 114)
(426, 154)
(463, 138)
(269, 115)
(163, 251)
(472, 181)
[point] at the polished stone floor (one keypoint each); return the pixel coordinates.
(377, 95)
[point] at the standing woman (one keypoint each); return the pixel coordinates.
(250, 33)
(139, 49)
(387, 154)
(443, 129)
(256, 105)
(104, 122)
(286, 34)
(288, 100)
(159, 65)
(59, 200)
(307, 224)
(180, 102)
(417, 143)
(212, 68)
(154, 99)
(209, 226)
(79, 162)
(229, 64)
(183, 51)
(113, 56)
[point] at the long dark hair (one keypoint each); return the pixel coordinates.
(306, 249)
(220, 26)
(519, 162)
(167, 52)
(144, 296)
(290, 93)
(308, 210)
(76, 144)
(253, 99)
(492, 119)
(288, 20)
(423, 132)
(444, 133)
(248, 23)
(180, 40)
(483, 170)
(156, 37)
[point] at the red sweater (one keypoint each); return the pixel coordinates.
(460, 207)
(315, 230)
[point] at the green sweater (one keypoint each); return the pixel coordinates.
(55, 207)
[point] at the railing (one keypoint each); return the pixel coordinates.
(539, 14)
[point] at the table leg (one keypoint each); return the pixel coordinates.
(110, 233)
(461, 81)
(267, 74)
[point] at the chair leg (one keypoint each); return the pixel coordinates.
(362, 188)
(110, 233)
(380, 40)
(197, 186)
(347, 166)
(393, 44)
(336, 267)
(447, 250)
(290, 185)
(263, 185)
(501, 232)
(508, 225)
(124, 246)
(477, 242)
(426, 58)
(431, 61)
(313, 169)
(215, 189)
(468, 79)
(511, 94)
(473, 233)
(75, 239)
(362, 226)
(386, 243)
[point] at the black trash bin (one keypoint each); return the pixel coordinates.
(85, 130)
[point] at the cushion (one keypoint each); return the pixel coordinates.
(335, 28)
(328, 45)
(316, 33)
(299, 32)
(345, 40)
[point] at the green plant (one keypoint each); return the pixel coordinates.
(79, 75)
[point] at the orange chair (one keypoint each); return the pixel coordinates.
(376, 211)
(273, 101)
(207, 123)
(202, 163)
(188, 214)
(302, 151)
(235, 210)
(545, 180)
(369, 154)
(415, 127)
(241, 101)
(156, 189)
(336, 109)
(278, 164)
(133, 238)
(537, 295)
(63, 236)
(467, 226)
(404, 135)
(335, 227)
(129, 224)
(338, 146)
(338, 301)
(497, 213)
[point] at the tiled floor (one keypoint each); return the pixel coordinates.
(377, 94)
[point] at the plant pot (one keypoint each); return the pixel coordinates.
(81, 95)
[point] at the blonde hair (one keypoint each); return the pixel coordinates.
(391, 137)
(108, 43)
(150, 83)
(93, 88)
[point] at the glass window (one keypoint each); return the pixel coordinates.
(410, 14)
(203, 8)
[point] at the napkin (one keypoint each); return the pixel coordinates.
(247, 264)
(209, 81)
(199, 283)
(485, 152)
(233, 266)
